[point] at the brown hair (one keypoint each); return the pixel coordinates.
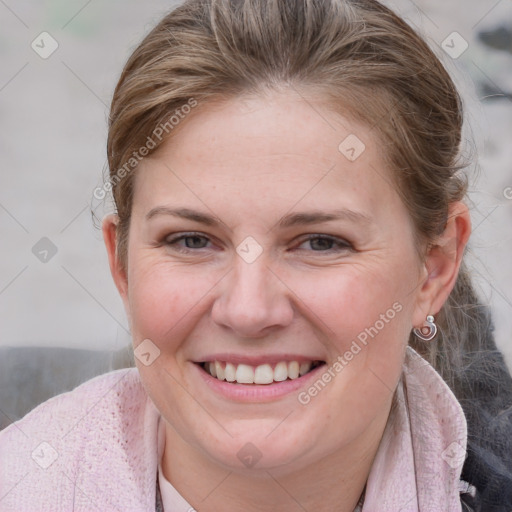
(356, 55)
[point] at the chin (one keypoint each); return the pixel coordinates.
(259, 446)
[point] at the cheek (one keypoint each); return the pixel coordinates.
(164, 300)
(350, 300)
(366, 316)
(366, 328)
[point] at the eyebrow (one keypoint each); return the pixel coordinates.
(289, 220)
(184, 213)
(317, 216)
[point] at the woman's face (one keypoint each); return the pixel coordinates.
(264, 239)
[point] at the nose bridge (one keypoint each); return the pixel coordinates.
(252, 299)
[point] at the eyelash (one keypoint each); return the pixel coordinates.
(343, 245)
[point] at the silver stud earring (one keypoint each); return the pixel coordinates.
(428, 330)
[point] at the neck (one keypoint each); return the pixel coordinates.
(334, 482)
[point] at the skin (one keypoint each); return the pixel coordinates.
(249, 162)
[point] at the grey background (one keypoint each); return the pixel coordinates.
(53, 114)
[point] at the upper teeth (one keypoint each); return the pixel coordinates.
(262, 374)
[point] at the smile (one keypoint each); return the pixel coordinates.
(262, 374)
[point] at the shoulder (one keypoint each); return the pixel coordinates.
(81, 437)
(90, 401)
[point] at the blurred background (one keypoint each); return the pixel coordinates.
(61, 320)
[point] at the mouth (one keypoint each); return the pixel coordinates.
(263, 374)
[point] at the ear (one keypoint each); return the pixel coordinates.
(442, 263)
(109, 228)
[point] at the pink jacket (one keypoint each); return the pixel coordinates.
(96, 448)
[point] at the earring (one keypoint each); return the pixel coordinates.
(428, 331)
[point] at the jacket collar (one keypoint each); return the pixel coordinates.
(418, 464)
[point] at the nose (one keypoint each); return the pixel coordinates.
(253, 301)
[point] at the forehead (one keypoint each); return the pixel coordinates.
(274, 125)
(280, 148)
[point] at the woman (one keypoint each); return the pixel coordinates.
(288, 243)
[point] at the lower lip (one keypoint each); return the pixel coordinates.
(256, 392)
